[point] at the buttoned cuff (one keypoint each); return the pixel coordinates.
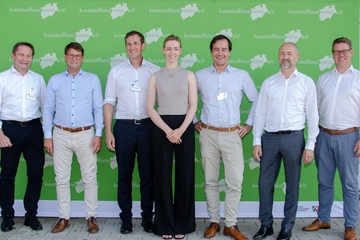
(310, 145)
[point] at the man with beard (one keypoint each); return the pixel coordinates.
(286, 100)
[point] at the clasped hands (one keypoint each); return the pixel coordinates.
(174, 136)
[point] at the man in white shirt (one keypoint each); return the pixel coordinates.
(21, 99)
(338, 144)
(286, 101)
(126, 88)
(221, 89)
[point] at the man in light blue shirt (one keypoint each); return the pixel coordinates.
(73, 106)
(221, 89)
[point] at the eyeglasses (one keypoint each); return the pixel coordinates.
(344, 51)
(71, 56)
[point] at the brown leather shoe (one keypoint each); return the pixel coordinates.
(350, 233)
(61, 225)
(211, 230)
(316, 225)
(234, 232)
(92, 225)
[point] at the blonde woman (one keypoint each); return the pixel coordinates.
(171, 105)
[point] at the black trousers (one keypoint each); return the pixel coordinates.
(174, 211)
(29, 141)
(131, 141)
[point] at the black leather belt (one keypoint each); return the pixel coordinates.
(283, 132)
(135, 121)
(22, 124)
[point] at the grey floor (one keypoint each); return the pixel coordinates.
(110, 230)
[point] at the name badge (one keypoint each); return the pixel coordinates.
(135, 88)
(31, 94)
(221, 96)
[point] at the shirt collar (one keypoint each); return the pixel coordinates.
(350, 69)
(79, 73)
(227, 69)
(143, 62)
(295, 73)
(13, 70)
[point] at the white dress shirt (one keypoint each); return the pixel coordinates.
(286, 104)
(339, 99)
(21, 97)
(233, 83)
(130, 104)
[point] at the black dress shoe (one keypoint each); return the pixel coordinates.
(263, 232)
(147, 224)
(33, 223)
(126, 227)
(7, 224)
(285, 234)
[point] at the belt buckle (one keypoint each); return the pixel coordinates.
(136, 122)
(22, 124)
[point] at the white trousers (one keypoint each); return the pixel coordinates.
(226, 146)
(65, 145)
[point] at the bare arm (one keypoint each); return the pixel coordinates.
(108, 117)
(150, 107)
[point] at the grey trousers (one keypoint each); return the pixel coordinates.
(275, 147)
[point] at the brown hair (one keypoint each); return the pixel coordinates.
(15, 47)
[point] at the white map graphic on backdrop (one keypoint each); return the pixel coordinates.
(189, 11)
(48, 161)
(226, 32)
(258, 61)
(79, 186)
(49, 10)
(293, 36)
(153, 35)
(119, 10)
(48, 60)
(83, 35)
(188, 60)
(258, 11)
(326, 63)
(117, 59)
(253, 163)
(327, 12)
(113, 163)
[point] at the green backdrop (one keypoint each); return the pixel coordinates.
(256, 28)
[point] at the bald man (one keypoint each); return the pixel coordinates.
(287, 100)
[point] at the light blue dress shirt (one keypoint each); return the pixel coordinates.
(73, 101)
(235, 83)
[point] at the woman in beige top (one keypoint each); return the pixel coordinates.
(171, 105)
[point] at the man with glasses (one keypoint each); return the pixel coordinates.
(73, 106)
(126, 88)
(338, 144)
(22, 93)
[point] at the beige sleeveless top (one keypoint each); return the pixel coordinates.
(172, 91)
